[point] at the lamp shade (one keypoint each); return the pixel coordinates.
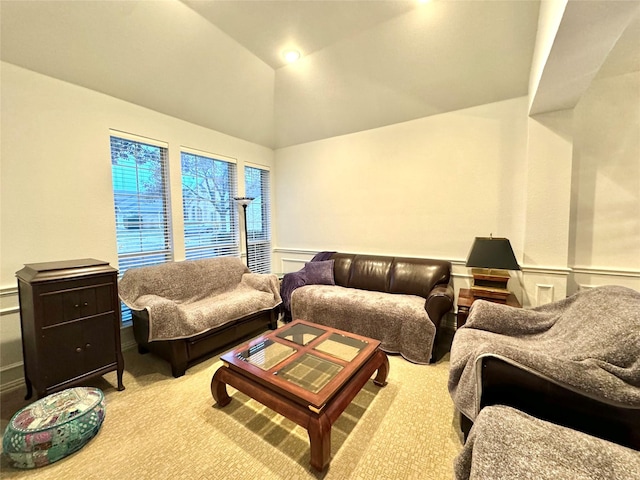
(244, 201)
(489, 252)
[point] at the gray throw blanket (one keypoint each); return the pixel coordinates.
(589, 343)
(190, 297)
(506, 444)
(399, 321)
(294, 280)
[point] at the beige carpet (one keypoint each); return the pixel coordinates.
(161, 427)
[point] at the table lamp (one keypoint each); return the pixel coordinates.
(490, 258)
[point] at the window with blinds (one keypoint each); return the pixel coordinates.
(210, 214)
(256, 181)
(140, 187)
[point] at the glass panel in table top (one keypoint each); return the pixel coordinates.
(266, 354)
(300, 333)
(310, 372)
(341, 346)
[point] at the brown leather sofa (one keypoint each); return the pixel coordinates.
(422, 277)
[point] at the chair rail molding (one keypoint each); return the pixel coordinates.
(9, 301)
(535, 284)
(604, 271)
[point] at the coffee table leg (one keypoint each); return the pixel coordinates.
(219, 388)
(383, 370)
(320, 441)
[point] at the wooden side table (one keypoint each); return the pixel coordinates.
(466, 299)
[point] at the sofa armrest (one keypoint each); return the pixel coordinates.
(148, 302)
(439, 302)
(506, 384)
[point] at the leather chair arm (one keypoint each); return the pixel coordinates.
(506, 384)
(439, 301)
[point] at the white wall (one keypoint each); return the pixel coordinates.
(423, 188)
(564, 187)
(56, 192)
(605, 235)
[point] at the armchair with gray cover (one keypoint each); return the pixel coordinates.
(574, 362)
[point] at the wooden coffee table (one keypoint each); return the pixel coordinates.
(307, 373)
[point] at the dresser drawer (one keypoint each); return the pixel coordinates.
(66, 305)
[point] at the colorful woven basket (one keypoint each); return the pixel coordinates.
(54, 427)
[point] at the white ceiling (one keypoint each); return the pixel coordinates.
(266, 28)
(217, 64)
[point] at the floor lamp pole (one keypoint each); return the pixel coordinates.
(245, 201)
(246, 233)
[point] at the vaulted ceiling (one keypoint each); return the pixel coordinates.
(218, 64)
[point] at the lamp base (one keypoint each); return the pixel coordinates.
(490, 283)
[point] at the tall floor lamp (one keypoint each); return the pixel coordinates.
(245, 201)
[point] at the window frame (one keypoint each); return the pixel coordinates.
(131, 228)
(206, 248)
(259, 254)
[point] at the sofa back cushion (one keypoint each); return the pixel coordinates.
(418, 276)
(342, 268)
(185, 281)
(370, 272)
(412, 276)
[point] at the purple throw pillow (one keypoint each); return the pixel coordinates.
(320, 273)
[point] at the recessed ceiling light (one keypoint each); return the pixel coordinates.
(291, 55)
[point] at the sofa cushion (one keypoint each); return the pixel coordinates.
(416, 276)
(342, 267)
(185, 281)
(400, 322)
(505, 443)
(370, 272)
(319, 273)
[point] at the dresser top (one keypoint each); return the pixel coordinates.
(40, 272)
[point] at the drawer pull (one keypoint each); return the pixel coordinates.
(87, 346)
(79, 349)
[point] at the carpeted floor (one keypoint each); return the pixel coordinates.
(161, 427)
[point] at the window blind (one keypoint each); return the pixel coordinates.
(140, 187)
(258, 218)
(210, 214)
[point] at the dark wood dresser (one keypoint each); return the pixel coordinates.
(70, 321)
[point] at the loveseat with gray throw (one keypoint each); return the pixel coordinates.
(399, 301)
(185, 311)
